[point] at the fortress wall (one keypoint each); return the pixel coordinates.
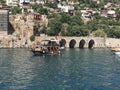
(112, 42)
(99, 42)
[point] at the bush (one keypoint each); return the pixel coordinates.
(32, 38)
(99, 33)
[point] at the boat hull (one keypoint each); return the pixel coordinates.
(47, 47)
(48, 50)
(115, 49)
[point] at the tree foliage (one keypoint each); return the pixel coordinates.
(114, 32)
(73, 25)
(32, 38)
(51, 5)
(65, 18)
(2, 1)
(15, 10)
(54, 28)
(92, 25)
(36, 7)
(99, 33)
(43, 11)
(76, 20)
(39, 8)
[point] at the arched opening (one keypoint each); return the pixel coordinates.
(91, 43)
(62, 42)
(82, 43)
(72, 43)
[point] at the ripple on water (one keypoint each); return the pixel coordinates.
(74, 69)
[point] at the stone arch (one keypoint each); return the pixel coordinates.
(72, 43)
(62, 43)
(82, 43)
(91, 43)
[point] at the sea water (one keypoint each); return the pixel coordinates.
(73, 69)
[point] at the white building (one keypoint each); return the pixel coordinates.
(27, 1)
(12, 2)
(23, 1)
(65, 8)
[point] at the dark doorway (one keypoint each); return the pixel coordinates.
(91, 43)
(36, 31)
(82, 43)
(62, 42)
(11, 29)
(72, 43)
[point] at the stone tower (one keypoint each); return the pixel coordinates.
(4, 19)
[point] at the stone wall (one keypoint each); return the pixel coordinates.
(99, 42)
(4, 22)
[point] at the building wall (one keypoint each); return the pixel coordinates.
(12, 2)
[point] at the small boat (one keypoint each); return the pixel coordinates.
(47, 47)
(115, 49)
(117, 53)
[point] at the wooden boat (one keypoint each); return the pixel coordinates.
(47, 47)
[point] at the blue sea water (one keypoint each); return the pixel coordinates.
(73, 69)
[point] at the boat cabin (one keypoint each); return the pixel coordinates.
(47, 47)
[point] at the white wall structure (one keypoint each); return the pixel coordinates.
(12, 2)
(21, 1)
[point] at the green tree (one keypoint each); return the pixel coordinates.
(77, 30)
(101, 4)
(104, 27)
(104, 20)
(111, 22)
(54, 16)
(54, 28)
(43, 11)
(39, 8)
(2, 1)
(99, 33)
(51, 5)
(84, 30)
(36, 7)
(76, 20)
(92, 25)
(97, 16)
(64, 29)
(32, 38)
(15, 10)
(117, 11)
(93, 5)
(65, 18)
(114, 32)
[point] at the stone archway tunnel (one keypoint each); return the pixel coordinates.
(82, 42)
(86, 42)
